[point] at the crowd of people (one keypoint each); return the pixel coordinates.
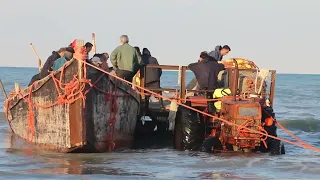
(127, 60)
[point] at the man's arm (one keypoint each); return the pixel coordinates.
(221, 67)
(47, 66)
(193, 66)
(113, 58)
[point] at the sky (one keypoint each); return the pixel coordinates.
(275, 34)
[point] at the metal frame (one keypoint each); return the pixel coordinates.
(184, 69)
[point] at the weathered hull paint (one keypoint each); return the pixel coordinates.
(77, 127)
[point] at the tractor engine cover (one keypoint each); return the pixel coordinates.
(244, 113)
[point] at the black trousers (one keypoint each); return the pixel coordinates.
(209, 95)
(127, 75)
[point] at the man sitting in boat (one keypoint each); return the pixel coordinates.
(152, 78)
(48, 64)
(152, 75)
(100, 60)
(88, 47)
(68, 54)
(219, 52)
(206, 72)
(125, 59)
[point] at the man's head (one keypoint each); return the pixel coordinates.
(225, 50)
(124, 39)
(105, 56)
(61, 51)
(203, 55)
(145, 51)
(88, 46)
(69, 53)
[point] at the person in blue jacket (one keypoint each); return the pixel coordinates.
(219, 52)
(58, 63)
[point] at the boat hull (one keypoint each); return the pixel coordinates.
(79, 126)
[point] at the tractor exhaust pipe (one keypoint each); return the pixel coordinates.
(235, 79)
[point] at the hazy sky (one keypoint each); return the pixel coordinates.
(277, 34)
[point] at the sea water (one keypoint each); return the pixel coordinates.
(297, 107)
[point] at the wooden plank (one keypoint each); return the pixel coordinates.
(272, 88)
(164, 67)
(77, 131)
(183, 83)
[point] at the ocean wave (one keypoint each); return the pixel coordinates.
(306, 125)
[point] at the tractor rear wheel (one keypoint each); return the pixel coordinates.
(188, 132)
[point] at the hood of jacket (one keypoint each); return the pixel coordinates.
(216, 53)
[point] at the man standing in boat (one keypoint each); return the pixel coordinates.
(219, 52)
(125, 59)
(206, 71)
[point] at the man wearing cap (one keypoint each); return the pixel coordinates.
(125, 59)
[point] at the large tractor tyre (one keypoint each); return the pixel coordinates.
(211, 145)
(188, 132)
(276, 147)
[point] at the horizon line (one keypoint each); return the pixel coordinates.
(165, 70)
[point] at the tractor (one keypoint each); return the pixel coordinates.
(242, 100)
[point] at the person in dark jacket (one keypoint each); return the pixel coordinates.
(49, 63)
(152, 78)
(152, 75)
(219, 52)
(58, 63)
(206, 72)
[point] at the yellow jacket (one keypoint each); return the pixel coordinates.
(218, 93)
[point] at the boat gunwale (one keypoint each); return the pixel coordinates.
(14, 100)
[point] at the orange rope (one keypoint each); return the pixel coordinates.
(113, 111)
(68, 93)
(287, 131)
(204, 113)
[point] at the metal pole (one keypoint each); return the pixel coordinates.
(3, 90)
(39, 60)
(235, 80)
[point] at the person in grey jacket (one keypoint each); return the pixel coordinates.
(219, 52)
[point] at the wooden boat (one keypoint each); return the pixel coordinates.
(99, 116)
